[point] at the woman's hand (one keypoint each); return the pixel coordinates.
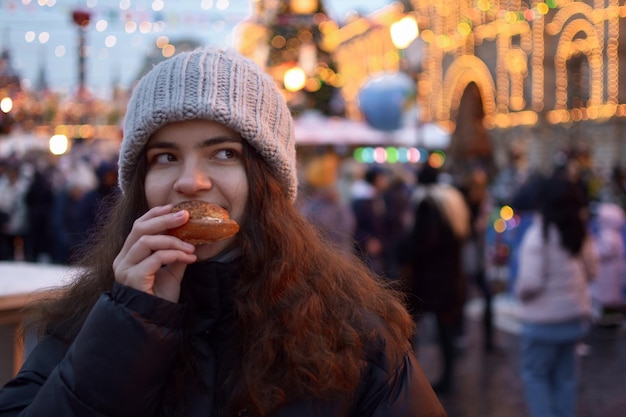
(152, 261)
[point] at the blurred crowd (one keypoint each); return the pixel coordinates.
(391, 215)
(434, 232)
(48, 209)
(428, 229)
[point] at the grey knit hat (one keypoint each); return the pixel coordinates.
(211, 84)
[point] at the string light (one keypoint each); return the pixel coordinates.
(513, 83)
(393, 155)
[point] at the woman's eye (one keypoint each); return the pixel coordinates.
(163, 158)
(227, 154)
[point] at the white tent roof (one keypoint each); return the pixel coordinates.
(315, 129)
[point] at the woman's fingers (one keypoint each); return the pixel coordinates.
(147, 245)
(151, 252)
(152, 261)
(163, 270)
(155, 221)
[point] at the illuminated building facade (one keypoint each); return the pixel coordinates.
(546, 73)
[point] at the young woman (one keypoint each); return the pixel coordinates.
(557, 260)
(271, 322)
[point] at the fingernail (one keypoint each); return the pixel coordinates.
(179, 214)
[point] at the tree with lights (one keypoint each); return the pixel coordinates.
(298, 59)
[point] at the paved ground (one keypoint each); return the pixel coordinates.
(488, 385)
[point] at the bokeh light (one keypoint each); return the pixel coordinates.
(110, 41)
(387, 155)
(294, 79)
(6, 104)
(437, 159)
(44, 37)
(59, 144)
(499, 226)
(506, 212)
(101, 25)
(29, 36)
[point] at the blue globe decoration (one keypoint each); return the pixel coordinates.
(385, 98)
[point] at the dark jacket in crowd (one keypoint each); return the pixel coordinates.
(370, 212)
(129, 343)
(433, 252)
(39, 200)
(68, 230)
(93, 205)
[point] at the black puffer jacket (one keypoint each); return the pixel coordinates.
(120, 362)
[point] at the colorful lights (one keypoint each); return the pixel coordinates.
(499, 226)
(517, 88)
(543, 8)
(437, 159)
(394, 155)
(506, 219)
(483, 5)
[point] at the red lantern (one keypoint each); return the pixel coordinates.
(81, 17)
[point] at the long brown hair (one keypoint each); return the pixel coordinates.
(306, 310)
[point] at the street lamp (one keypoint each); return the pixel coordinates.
(81, 19)
(6, 119)
(303, 6)
(404, 32)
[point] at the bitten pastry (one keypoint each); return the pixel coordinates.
(207, 223)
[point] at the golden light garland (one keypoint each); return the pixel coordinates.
(568, 47)
(502, 46)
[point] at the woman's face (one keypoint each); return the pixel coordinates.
(198, 160)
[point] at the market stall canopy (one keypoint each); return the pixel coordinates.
(315, 129)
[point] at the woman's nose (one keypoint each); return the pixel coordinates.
(192, 179)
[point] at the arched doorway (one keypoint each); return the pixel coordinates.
(470, 145)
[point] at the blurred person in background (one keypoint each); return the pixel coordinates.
(38, 246)
(475, 191)
(607, 290)
(14, 184)
(616, 186)
(399, 216)
(557, 261)
(93, 204)
(524, 204)
(322, 205)
(371, 234)
(510, 178)
(432, 264)
(68, 233)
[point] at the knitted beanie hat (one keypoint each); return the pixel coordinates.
(218, 85)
